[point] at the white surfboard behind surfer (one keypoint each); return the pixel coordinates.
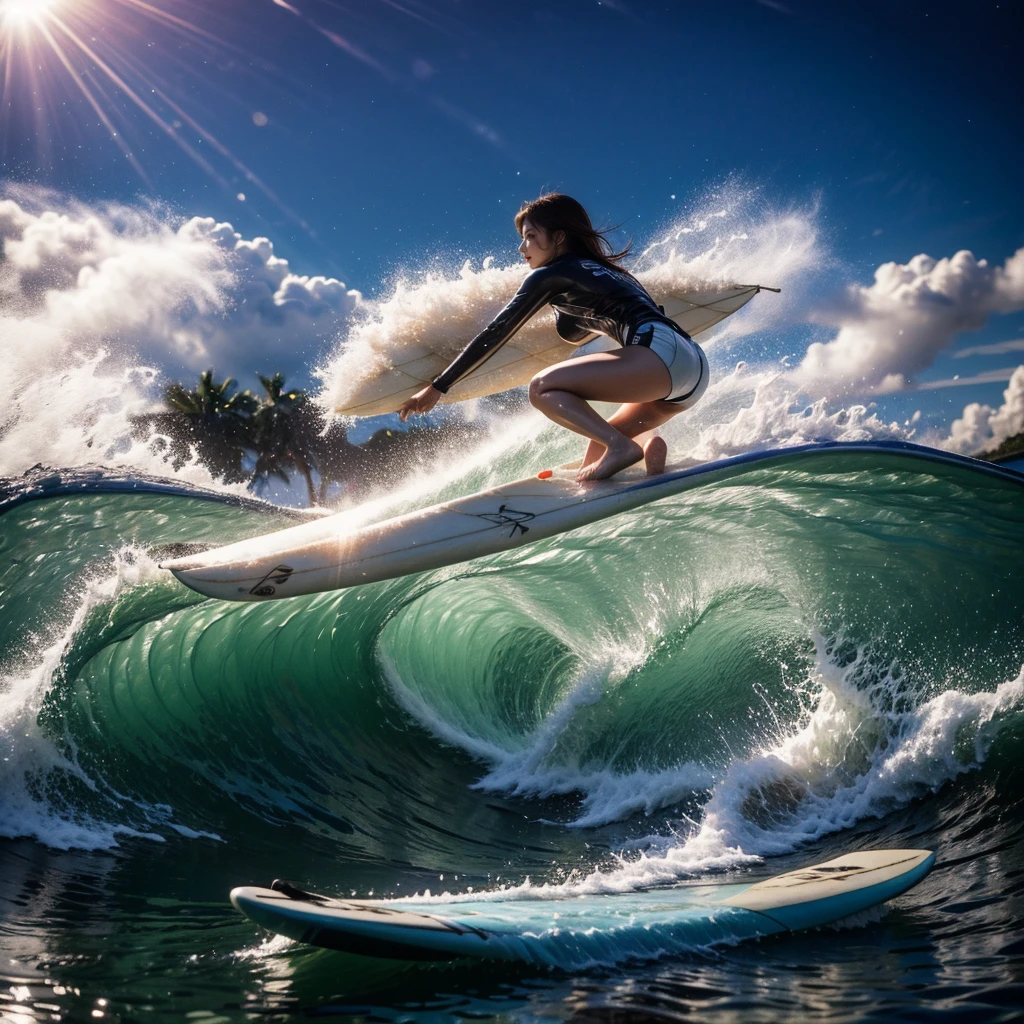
(437, 319)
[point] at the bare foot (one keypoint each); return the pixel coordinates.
(655, 454)
(613, 460)
(594, 451)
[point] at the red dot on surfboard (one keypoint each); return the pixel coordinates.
(545, 474)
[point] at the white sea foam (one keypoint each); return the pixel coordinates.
(99, 306)
(70, 408)
(269, 949)
(732, 236)
(851, 757)
(30, 756)
(79, 384)
(532, 770)
(769, 414)
(726, 242)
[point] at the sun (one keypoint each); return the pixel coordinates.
(25, 12)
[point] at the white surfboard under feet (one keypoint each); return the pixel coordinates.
(323, 555)
(327, 555)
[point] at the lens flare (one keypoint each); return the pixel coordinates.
(139, 70)
(104, 51)
(25, 12)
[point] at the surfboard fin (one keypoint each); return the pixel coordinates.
(293, 892)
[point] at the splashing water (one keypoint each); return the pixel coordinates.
(803, 658)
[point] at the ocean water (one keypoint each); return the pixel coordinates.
(756, 675)
(809, 658)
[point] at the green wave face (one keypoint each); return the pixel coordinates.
(756, 651)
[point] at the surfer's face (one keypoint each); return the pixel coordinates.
(538, 247)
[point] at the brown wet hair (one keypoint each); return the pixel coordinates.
(555, 211)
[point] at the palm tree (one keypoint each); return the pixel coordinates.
(212, 420)
(286, 432)
(282, 434)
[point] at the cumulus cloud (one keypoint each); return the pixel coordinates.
(981, 427)
(98, 307)
(893, 329)
(183, 296)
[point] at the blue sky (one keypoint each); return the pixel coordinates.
(396, 132)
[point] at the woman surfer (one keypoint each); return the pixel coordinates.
(657, 372)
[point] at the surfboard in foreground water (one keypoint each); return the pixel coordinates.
(526, 354)
(325, 555)
(577, 931)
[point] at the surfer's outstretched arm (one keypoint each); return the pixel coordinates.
(534, 293)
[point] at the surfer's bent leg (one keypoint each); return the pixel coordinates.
(634, 419)
(689, 372)
(562, 393)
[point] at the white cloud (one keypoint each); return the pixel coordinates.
(98, 307)
(184, 296)
(981, 427)
(985, 377)
(999, 348)
(891, 331)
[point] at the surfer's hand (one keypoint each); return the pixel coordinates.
(423, 401)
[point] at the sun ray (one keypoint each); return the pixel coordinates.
(225, 152)
(105, 50)
(82, 40)
(90, 98)
(337, 39)
(139, 102)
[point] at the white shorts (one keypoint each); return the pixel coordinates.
(685, 359)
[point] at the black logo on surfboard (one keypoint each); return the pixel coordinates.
(506, 516)
(266, 586)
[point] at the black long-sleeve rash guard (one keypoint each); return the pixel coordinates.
(589, 298)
